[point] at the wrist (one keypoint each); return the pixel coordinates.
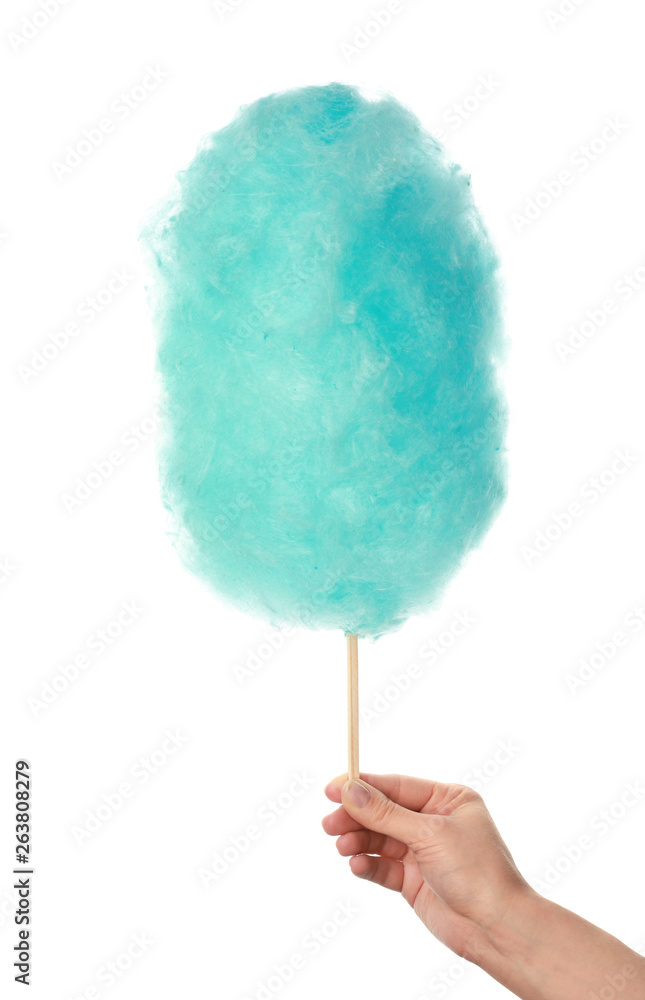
(541, 951)
(507, 948)
(514, 928)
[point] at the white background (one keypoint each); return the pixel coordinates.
(66, 573)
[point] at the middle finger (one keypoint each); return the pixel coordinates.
(340, 822)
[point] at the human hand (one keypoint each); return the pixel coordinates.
(437, 845)
(434, 843)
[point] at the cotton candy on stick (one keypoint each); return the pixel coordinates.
(328, 314)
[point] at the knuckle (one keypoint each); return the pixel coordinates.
(470, 795)
(464, 793)
(384, 810)
(427, 834)
(366, 875)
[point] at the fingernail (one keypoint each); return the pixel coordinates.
(358, 794)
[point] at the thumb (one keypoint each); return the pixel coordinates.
(376, 812)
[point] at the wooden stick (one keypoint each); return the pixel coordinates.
(352, 705)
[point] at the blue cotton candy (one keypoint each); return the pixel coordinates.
(329, 331)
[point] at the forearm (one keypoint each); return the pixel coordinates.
(541, 951)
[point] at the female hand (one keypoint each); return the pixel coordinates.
(436, 844)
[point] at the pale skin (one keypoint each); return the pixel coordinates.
(437, 845)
